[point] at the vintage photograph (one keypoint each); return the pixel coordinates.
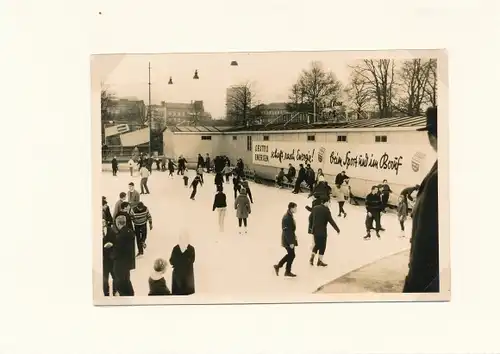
(270, 177)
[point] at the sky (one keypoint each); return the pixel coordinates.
(271, 74)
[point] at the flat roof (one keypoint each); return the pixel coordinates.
(398, 122)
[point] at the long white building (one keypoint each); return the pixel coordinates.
(368, 150)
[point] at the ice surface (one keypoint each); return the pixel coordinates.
(230, 264)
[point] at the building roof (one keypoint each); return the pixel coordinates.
(404, 122)
(361, 123)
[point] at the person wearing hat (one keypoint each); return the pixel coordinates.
(106, 213)
(157, 283)
(243, 209)
(423, 268)
(288, 241)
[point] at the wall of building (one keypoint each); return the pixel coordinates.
(236, 145)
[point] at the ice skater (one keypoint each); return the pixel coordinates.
(220, 203)
(373, 204)
(342, 196)
(402, 214)
(171, 168)
(227, 171)
(145, 173)
(321, 217)
(288, 240)
(236, 185)
(243, 210)
(186, 181)
(199, 172)
(140, 215)
(114, 165)
(218, 180)
(244, 184)
(194, 184)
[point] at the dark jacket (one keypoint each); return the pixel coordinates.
(310, 176)
(291, 172)
(106, 215)
(408, 191)
(322, 188)
(317, 201)
(302, 174)
(288, 227)
(114, 163)
(321, 217)
(130, 225)
(107, 253)
(339, 179)
(423, 273)
(373, 203)
(219, 179)
(171, 166)
(158, 287)
(385, 188)
(183, 272)
(219, 201)
(124, 251)
(196, 181)
(200, 161)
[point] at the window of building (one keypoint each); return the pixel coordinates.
(266, 137)
(206, 137)
(235, 137)
(311, 138)
(249, 143)
(381, 138)
(341, 138)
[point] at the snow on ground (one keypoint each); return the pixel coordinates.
(230, 264)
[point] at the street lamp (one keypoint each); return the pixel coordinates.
(234, 63)
(170, 82)
(196, 77)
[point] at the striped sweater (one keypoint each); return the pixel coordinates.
(141, 216)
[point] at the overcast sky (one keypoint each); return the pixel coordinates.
(271, 74)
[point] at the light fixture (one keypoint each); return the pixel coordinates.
(234, 63)
(196, 77)
(170, 82)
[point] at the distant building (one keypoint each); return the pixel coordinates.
(176, 113)
(270, 111)
(127, 110)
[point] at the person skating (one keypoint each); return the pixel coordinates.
(171, 168)
(300, 178)
(385, 191)
(145, 173)
(163, 163)
(131, 164)
(200, 162)
(407, 192)
(342, 197)
(157, 162)
(322, 188)
(373, 204)
(243, 210)
(227, 171)
(124, 257)
(310, 178)
(194, 184)
(236, 185)
(402, 214)
(157, 283)
(140, 215)
(108, 240)
(114, 165)
(133, 196)
(207, 164)
(218, 180)
(220, 204)
(186, 181)
(340, 178)
(288, 240)
(199, 172)
(150, 162)
(290, 175)
(182, 260)
(244, 184)
(280, 177)
(181, 165)
(423, 272)
(118, 204)
(320, 174)
(321, 217)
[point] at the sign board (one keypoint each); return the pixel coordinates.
(398, 164)
(135, 138)
(116, 130)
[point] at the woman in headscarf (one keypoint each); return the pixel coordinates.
(243, 209)
(182, 261)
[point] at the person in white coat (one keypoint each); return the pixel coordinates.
(131, 164)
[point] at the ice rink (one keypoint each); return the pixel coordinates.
(231, 264)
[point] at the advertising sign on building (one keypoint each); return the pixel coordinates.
(116, 129)
(399, 164)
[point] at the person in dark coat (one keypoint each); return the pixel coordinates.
(157, 283)
(194, 184)
(207, 163)
(108, 240)
(220, 203)
(385, 191)
(163, 163)
(288, 241)
(373, 204)
(321, 217)
(201, 162)
(182, 260)
(423, 272)
(171, 168)
(106, 213)
(124, 257)
(181, 165)
(218, 180)
(310, 178)
(290, 175)
(321, 188)
(236, 185)
(125, 211)
(339, 179)
(300, 178)
(407, 192)
(114, 165)
(280, 177)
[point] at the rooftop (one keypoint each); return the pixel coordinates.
(403, 122)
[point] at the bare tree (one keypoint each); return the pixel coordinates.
(379, 76)
(239, 104)
(413, 78)
(359, 94)
(431, 87)
(315, 88)
(107, 98)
